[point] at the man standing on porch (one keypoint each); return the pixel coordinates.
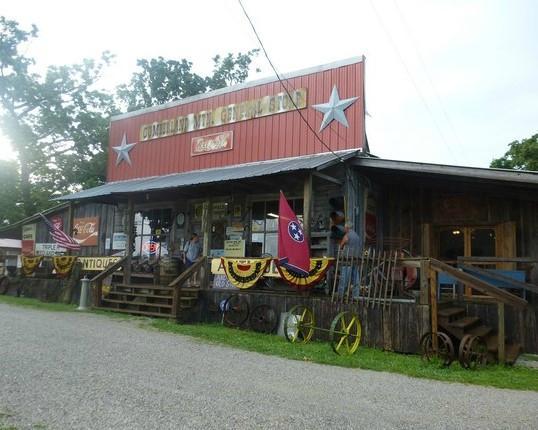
(352, 245)
(192, 250)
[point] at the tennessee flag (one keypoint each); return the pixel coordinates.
(293, 250)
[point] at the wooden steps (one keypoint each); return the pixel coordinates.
(454, 321)
(149, 300)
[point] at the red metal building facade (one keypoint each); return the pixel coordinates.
(249, 122)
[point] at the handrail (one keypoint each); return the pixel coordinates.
(109, 270)
(498, 259)
(479, 284)
(500, 277)
(188, 272)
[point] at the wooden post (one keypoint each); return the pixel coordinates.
(424, 298)
(307, 204)
(129, 226)
(206, 227)
(501, 333)
(433, 306)
(69, 223)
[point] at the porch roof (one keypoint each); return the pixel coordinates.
(521, 178)
(219, 174)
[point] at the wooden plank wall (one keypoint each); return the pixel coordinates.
(398, 329)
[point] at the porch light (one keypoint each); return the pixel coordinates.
(271, 214)
(456, 232)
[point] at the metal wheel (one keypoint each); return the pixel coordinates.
(263, 319)
(473, 352)
(445, 348)
(235, 310)
(299, 324)
(345, 333)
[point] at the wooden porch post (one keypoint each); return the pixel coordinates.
(206, 227)
(433, 306)
(129, 226)
(424, 298)
(501, 333)
(307, 204)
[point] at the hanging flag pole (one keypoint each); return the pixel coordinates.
(293, 249)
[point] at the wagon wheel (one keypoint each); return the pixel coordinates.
(235, 310)
(345, 333)
(473, 352)
(4, 284)
(299, 324)
(445, 348)
(263, 319)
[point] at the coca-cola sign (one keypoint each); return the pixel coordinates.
(212, 143)
(86, 231)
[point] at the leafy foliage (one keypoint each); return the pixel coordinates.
(522, 155)
(57, 123)
(10, 207)
(160, 81)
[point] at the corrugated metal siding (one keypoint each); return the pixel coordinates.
(276, 136)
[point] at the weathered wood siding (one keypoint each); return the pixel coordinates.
(399, 328)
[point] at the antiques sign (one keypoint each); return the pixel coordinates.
(212, 143)
(48, 249)
(86, 231)
(255, 108)
(97, 264)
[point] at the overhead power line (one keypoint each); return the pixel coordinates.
(284, 85)
(411, 78)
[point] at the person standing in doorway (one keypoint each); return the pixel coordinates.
(192, 250)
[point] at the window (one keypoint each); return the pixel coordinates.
(152, 228)
(264, 225)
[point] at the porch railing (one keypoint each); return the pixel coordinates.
(196, 270)
(97, 281)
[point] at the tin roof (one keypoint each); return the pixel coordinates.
(220, 174)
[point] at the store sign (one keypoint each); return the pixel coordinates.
(97, 264)
(212, 143)
(86, 231)
(28, 239)
(150, 247)
(218, 269)
(254, 108)
(57, 221)
(48, 249)
(119, 241)
(234, 248)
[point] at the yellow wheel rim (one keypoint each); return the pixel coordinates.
(345, 333)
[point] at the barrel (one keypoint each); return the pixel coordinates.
(168, 269)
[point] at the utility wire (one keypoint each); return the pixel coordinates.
(284, 86)
(410, 76)
(423, 63)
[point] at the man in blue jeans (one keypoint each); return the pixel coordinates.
(350, 247)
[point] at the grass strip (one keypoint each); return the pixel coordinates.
(518, 378)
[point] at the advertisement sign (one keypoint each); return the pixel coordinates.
(97, 264)
(212, 143)
(28, 239)
(270, 272)
(234, 248)
(48, 249)
(86, 231)
(119, 241)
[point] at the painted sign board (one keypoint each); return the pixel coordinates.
(97, 264)
(234, 248)
(28, 239)
(119, 241)
(48, 249)
(212, 143)
(218, 269)
(86, 231)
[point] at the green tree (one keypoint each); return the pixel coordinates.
(521, 155)
(56, 123)
(160, 81)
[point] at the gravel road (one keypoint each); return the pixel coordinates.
(84, 371)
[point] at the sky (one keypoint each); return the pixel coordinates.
(449, 82)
